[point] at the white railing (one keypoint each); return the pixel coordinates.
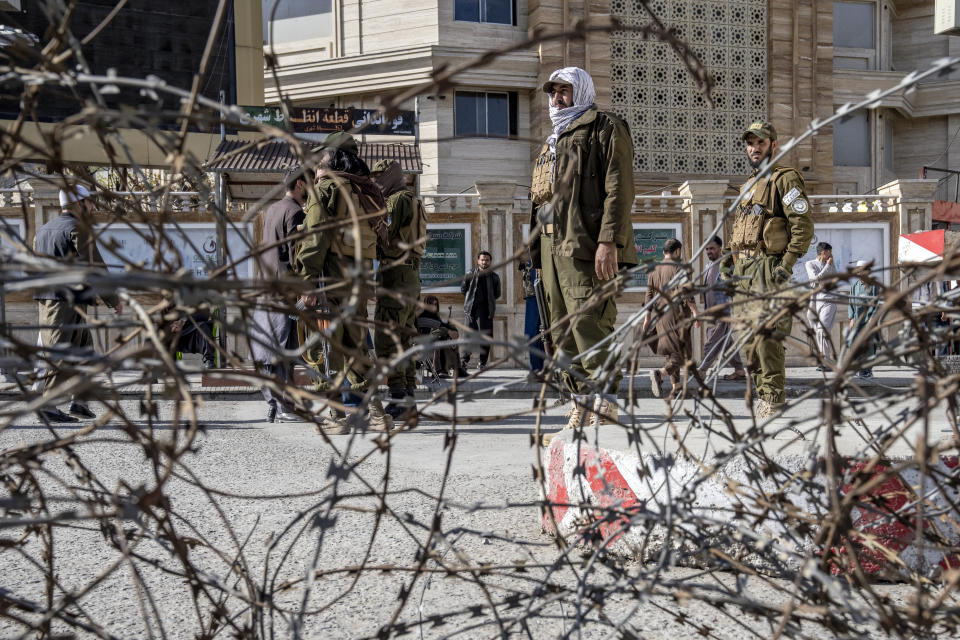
(672, 204)
(15, 197)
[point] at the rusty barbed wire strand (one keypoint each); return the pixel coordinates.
(779, 530)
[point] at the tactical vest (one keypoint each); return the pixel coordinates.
(541, 187)
(411, 235)
(344, 238)
(757, 227)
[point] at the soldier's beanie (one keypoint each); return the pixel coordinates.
(340, 140)
(75, 193)
(760, 129)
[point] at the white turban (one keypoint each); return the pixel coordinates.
(583, 96)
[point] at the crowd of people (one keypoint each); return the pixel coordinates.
(335, 222)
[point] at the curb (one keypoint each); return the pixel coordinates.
(725, 519)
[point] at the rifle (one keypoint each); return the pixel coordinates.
(544, 314)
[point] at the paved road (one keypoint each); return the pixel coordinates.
(265, 476)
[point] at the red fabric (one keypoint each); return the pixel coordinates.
(945, 211)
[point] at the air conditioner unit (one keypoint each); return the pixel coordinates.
(946, 20)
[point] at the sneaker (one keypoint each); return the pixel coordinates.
(656, 383)
(55, 415)
(819, 368)
(865, 373)
(462, 372)
(81, 410)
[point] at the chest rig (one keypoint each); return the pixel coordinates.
(541, 187)
(757, 228)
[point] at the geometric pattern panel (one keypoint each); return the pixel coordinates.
(674, 129)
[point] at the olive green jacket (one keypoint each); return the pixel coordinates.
(797, 213)
(326, 209)
(592, 189)
(789, 200)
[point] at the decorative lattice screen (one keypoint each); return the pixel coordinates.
(674, 130)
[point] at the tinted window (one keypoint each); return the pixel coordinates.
(498, 11)
(853, 25)
(498, 114)
(468, 10)
(851, 141)
(470, 113)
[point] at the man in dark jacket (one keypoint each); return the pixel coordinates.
(582, 192)
(62, 311)
(275, 331)
(481, 288)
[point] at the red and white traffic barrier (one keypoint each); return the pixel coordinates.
(622, 500)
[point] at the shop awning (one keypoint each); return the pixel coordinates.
(946, 211)
(253, 168)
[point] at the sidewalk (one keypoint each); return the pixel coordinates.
(492, 383)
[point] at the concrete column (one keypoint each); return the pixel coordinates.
(703, 203)
(46, 199)
(496, 202)
(914, 202)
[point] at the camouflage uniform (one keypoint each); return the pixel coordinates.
(399, 279)
(772, 230)
(330, 256)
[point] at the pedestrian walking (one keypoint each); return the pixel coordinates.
(62, 312)
(721, 338)
(273, 334)
(399, 283)
(863, 305)
(772, 230)
(823, 309)
(582, 236)
(345, 220)
(481, 288)
(672, 316)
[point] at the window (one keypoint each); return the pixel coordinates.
(485, 114)
(851, 141)
(853, 25)
(297, 20)
(492, 11)
(854, 35)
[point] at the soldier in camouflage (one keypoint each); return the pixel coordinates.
(773, 228)
(399, 282)
(345, 220)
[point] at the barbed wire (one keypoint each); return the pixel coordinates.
(737, 525)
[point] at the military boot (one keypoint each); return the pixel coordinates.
(378, 419)
(609, 413)
(335, 424)
(579, 416)
(765, 409)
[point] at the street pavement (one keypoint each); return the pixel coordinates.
(248, 482)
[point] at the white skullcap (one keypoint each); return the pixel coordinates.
(862, 263)
(76, 193)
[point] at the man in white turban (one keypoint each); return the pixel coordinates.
(582, 192)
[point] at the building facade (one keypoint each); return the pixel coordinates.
(792, 62)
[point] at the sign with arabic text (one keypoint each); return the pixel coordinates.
(648, 239)
(446, 256)
(330, 119)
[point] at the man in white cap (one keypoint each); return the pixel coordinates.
(62, 311)
(582, 191)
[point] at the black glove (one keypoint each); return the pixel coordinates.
(781, 275)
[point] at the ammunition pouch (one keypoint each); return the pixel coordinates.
(541, 187)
